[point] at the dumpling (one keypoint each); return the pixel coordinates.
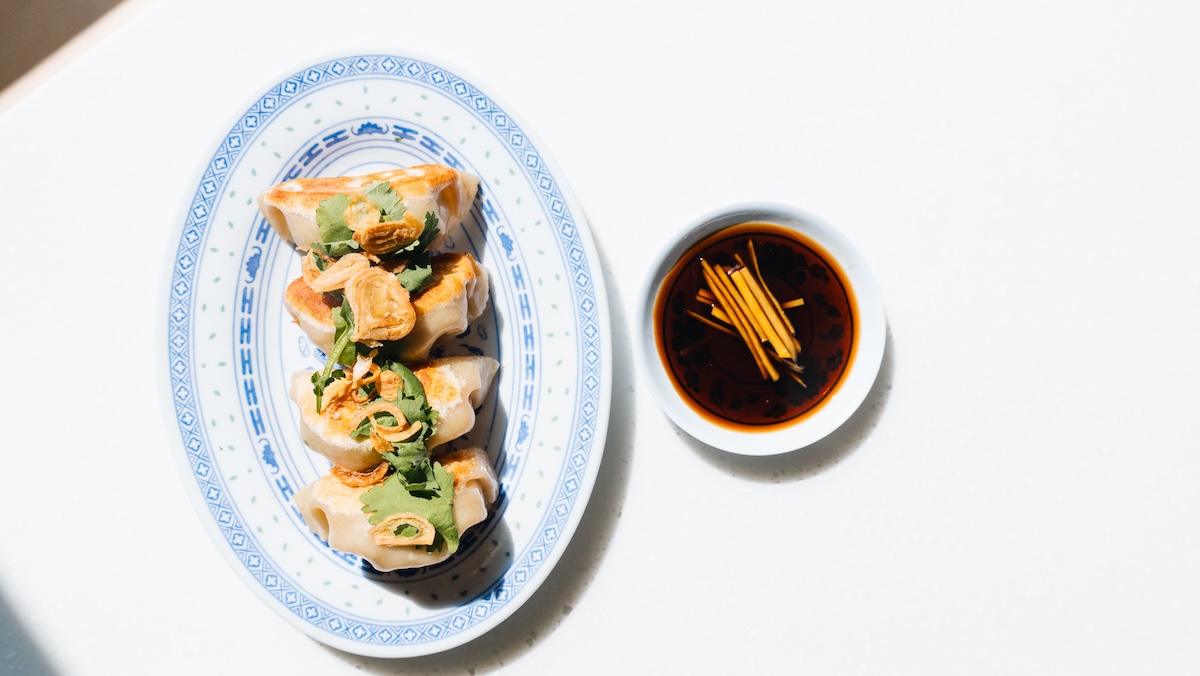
(454, 387)
(291, 206)
(456, 295)
(334, 511)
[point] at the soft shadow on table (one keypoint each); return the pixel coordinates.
(819, 457)
(19, 653)
(568, 582)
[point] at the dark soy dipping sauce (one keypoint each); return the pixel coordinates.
(715, 372)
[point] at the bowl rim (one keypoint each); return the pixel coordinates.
(864, 364)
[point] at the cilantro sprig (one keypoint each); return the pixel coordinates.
(337, 239)
(412, 402)
(385, 198)
(420, 266)
(344, 350)
(427, 490)
(418, 485)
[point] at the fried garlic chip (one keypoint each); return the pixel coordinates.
(308, 268)
(360, 214)
(384, 532)
(360, 479)
(384, 238)
(339, 272)
(389, 385)
(382, 310)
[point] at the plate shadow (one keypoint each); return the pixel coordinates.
(20, 652)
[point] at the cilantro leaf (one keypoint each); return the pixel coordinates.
(344, 350)
(381, 194)
(421, 243)
(416, 275)
(343, 326)
(331, 219)
(411, 400)
(432, 499)
(319, 261)
(430, 231)
(337, 249)
(406, 456)
(337, 239)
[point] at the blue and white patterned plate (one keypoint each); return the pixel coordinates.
(231, 348)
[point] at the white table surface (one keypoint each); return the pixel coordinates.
(1018, 495)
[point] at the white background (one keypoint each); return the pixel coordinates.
(1018, 494)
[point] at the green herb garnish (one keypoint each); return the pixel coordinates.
(420, 267)
(418, 484)
(344, 350)
(381, 194)
(337, 239)
(319, 261)
(343, 326)
(426, 489)
(416, 276)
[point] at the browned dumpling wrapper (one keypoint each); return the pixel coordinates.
(456, 295)
(333, 511)
(454, 387)
(291, 206)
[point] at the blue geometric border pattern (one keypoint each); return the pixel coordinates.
(180, 336)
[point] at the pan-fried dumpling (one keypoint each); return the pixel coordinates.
(454, 387)
(291, 206)
(455, 296)
(334, 511)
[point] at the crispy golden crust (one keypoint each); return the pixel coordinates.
(451, 273)
(312, 311)
(437, 386)
(307, 193)
(454, 274)
(318, 306)
(464, 465)
(333, 511)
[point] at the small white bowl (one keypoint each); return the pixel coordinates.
(866, 350)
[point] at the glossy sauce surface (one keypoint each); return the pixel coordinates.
(715, 372)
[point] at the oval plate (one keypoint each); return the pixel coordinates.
(231, 347)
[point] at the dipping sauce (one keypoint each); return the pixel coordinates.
(715, 372)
